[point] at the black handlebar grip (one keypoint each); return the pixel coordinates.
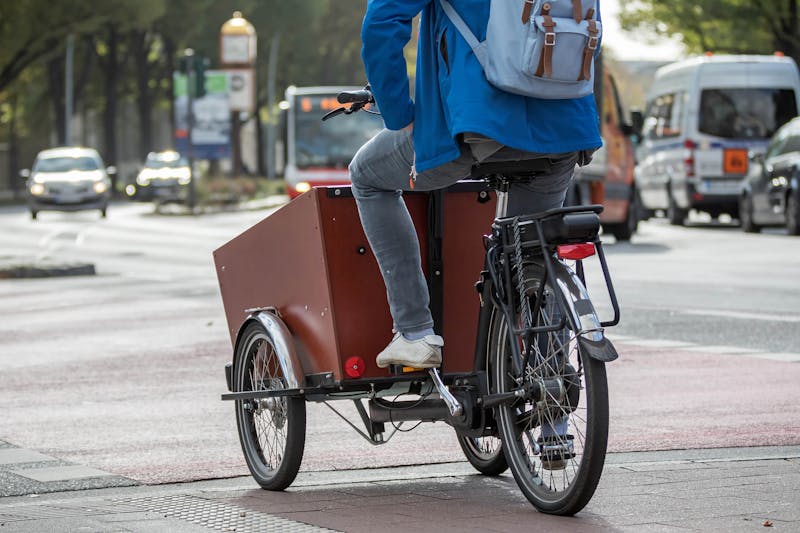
(354, 96)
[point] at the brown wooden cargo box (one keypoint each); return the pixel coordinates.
(311, 260)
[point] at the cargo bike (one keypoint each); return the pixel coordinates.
(522, 381)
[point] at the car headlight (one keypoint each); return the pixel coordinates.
(130, 190)
(302, 187)
(144, 181)
(184, 180)
(100, 187)
(37, 189)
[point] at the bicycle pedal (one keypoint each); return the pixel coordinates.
(400, 369)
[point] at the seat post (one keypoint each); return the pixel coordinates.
(501, 209)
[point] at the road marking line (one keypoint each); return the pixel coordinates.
(786, 357)
(743, 315)
(783, 357)
(733, 350)
(660, 343)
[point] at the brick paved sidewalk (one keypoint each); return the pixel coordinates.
(743, 489)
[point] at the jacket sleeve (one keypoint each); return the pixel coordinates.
(384, 33)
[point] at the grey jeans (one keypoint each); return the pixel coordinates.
(380, 172)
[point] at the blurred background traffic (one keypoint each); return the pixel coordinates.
(120, 77)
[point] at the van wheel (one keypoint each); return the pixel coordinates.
(793, 213)
(625, 230)
(746, 214)
(675, 214)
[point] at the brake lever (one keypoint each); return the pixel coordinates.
(334, 113)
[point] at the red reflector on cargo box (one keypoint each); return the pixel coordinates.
(354, 367)
(575, 251)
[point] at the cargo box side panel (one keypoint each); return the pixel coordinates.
(280, 263)
(360, 309)
(465, 222)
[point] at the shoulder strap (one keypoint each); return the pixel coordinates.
(460, 25)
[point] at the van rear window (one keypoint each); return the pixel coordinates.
(745, 113)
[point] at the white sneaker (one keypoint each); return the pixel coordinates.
(423, 353)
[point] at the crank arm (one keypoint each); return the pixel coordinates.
(456, 409)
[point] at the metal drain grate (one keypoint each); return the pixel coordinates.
(220, 516)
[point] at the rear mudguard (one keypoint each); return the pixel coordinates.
(582, 316)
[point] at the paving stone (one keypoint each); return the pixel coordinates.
(10, 456)
(61, 473)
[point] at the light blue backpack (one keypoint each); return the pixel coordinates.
(541, 48)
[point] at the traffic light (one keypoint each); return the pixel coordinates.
(200, 67)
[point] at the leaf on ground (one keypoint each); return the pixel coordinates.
(767, 523)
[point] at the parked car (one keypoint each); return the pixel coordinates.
(770, 195)
(68, 179)
(164, 178)
(704, 116)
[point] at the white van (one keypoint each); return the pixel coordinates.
(704, 116)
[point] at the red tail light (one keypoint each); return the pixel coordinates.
(575, 251)
(354, 367)
(688, 158)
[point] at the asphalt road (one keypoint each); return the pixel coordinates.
(121, 372)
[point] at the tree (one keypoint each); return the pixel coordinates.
(727, 26)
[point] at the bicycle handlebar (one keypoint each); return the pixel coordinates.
(359, 100)
(361, 96)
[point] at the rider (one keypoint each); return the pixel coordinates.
(455, 120)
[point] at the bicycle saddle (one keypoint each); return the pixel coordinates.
(522, 170)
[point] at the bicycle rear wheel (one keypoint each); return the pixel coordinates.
(272, 430)
(555, 446)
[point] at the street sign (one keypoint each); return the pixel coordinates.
(211, 132)
(241, 89)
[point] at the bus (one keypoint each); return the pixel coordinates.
(316, 152)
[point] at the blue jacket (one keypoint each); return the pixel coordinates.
(452, 95)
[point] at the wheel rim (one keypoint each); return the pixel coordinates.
(551, 463)
(264, 422)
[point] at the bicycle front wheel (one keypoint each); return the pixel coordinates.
(272, 430)
(555, 444)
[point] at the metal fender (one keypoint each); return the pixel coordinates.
(582, 315)
(282, 341)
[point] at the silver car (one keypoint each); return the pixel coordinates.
(68, 179)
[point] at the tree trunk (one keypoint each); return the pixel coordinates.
(144, 98)
(13, 151)
(55, 90)
(110, 113)
(169, 53)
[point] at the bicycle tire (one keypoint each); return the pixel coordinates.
(553, 490)
(485, 454)
(272, 430)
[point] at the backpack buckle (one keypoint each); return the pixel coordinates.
(550, 38)
(592, 45)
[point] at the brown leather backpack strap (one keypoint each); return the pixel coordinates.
(577, 10)
(526, 11)
(546, 59)
(588, 51)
